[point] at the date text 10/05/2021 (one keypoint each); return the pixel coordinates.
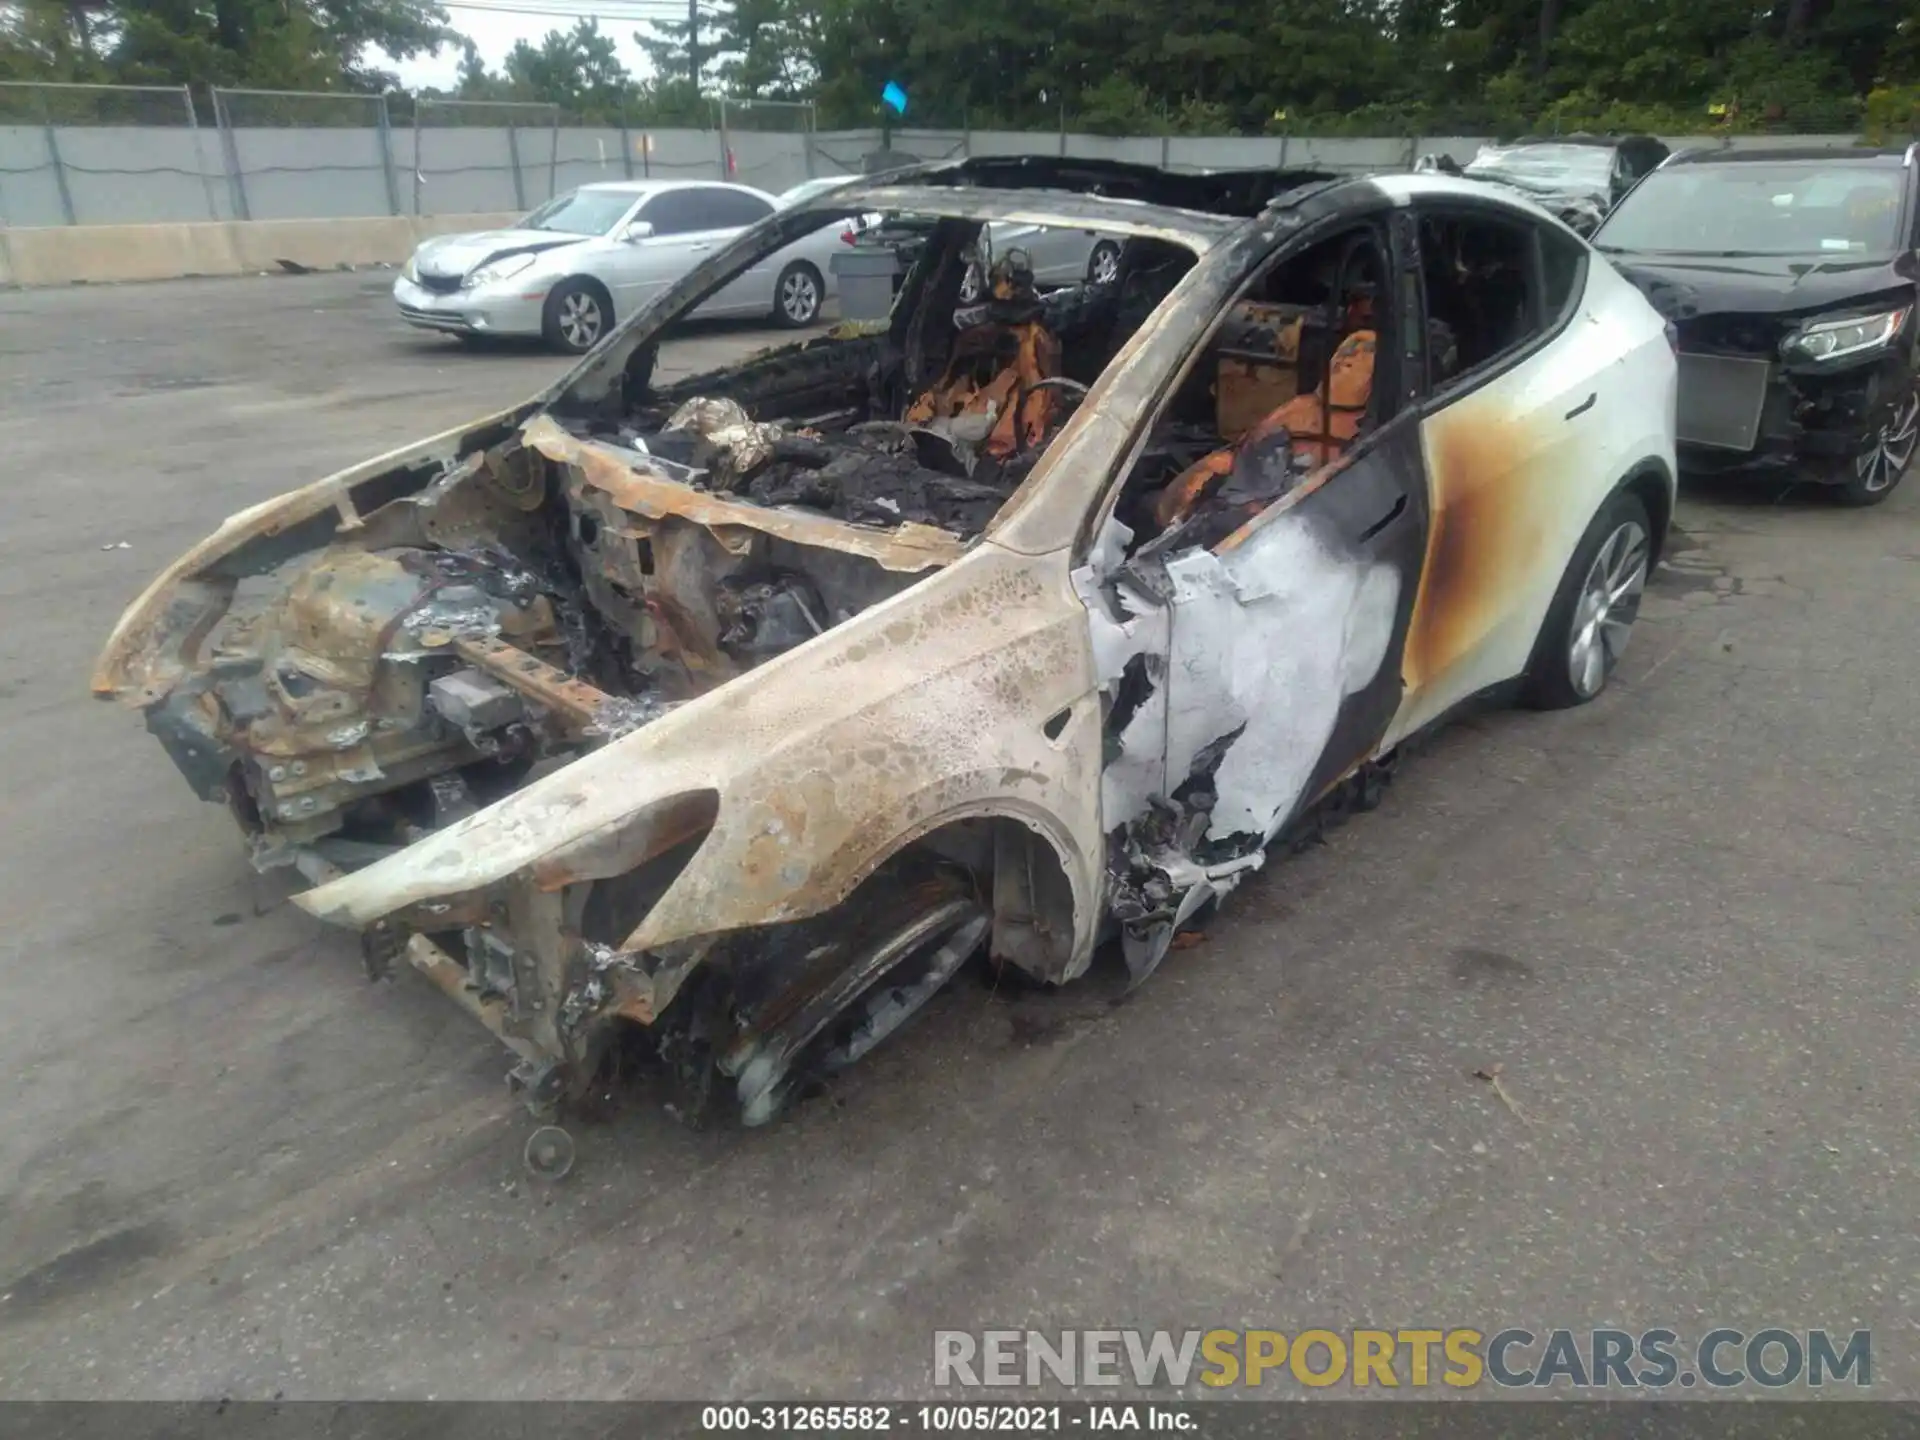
(946, 1419)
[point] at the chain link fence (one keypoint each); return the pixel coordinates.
(104, 154)
(757, 140)
(294, 155)
(93, 154)
(483, 155)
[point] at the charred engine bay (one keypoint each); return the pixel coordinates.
(525, 605)
(353, 698)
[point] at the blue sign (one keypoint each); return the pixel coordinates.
(895, 97)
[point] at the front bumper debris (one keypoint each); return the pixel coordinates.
(1754, 414)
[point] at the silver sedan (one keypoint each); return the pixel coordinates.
(585, 260)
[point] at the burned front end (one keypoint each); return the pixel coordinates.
(696, 711)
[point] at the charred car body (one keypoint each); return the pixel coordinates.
(1577, 178)
(1789, 276)
(738, 713)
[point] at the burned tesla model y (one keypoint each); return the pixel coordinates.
(731, 716)
(1789, 276)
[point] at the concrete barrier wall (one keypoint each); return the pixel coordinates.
(127, 174)
(157, 201)
(770, 162)
(66, 254)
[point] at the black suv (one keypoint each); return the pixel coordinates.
(1790, 278)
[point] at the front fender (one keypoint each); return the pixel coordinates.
(934, 705)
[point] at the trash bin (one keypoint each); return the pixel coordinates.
(866, 275)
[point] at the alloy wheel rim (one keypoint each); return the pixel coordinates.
(1609, 602)
(799, 298)
(1888, 453)
(580, 319)
(1106, 264)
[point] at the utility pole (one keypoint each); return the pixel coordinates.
(693, 45)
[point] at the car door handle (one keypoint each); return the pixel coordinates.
(1585, 405)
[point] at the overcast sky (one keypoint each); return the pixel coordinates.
(495, 33)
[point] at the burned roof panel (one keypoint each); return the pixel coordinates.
(1237, 193)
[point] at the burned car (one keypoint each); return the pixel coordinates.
(1790, 277)
(1578, 178)
(730, 717)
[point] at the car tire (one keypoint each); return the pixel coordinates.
(1103, 265)
(578, 315)
(1884, 457)
(1593, 611)
(797, 296)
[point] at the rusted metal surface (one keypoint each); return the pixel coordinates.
(625, 478)
(143, 656)
(454, 981)
(925, 709)
(579, 704)
(628, 843)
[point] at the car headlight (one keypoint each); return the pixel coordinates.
(410, 270)
(499, 269)
(1856, 335)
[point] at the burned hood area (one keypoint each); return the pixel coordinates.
(412, 651)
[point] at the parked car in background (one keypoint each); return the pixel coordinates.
(584, 261)
(729, 715)
(1578, 178)
(1058, 255)
(808, 189)
(1790, 277)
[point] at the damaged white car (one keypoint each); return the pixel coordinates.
(730, 717)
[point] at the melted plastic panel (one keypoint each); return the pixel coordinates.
(1268, 641)
(1247, 638)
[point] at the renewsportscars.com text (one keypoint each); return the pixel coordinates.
(1771, 1358)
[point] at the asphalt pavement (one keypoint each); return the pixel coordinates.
(1678, 926)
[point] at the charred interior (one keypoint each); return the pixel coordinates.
(568, 583)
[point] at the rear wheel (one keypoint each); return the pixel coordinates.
(1593, 611)
(797, 296)
(1884, 456)
(578, 313)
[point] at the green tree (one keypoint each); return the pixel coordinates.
(1117, 66)
(579, 70)
(279, 44)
